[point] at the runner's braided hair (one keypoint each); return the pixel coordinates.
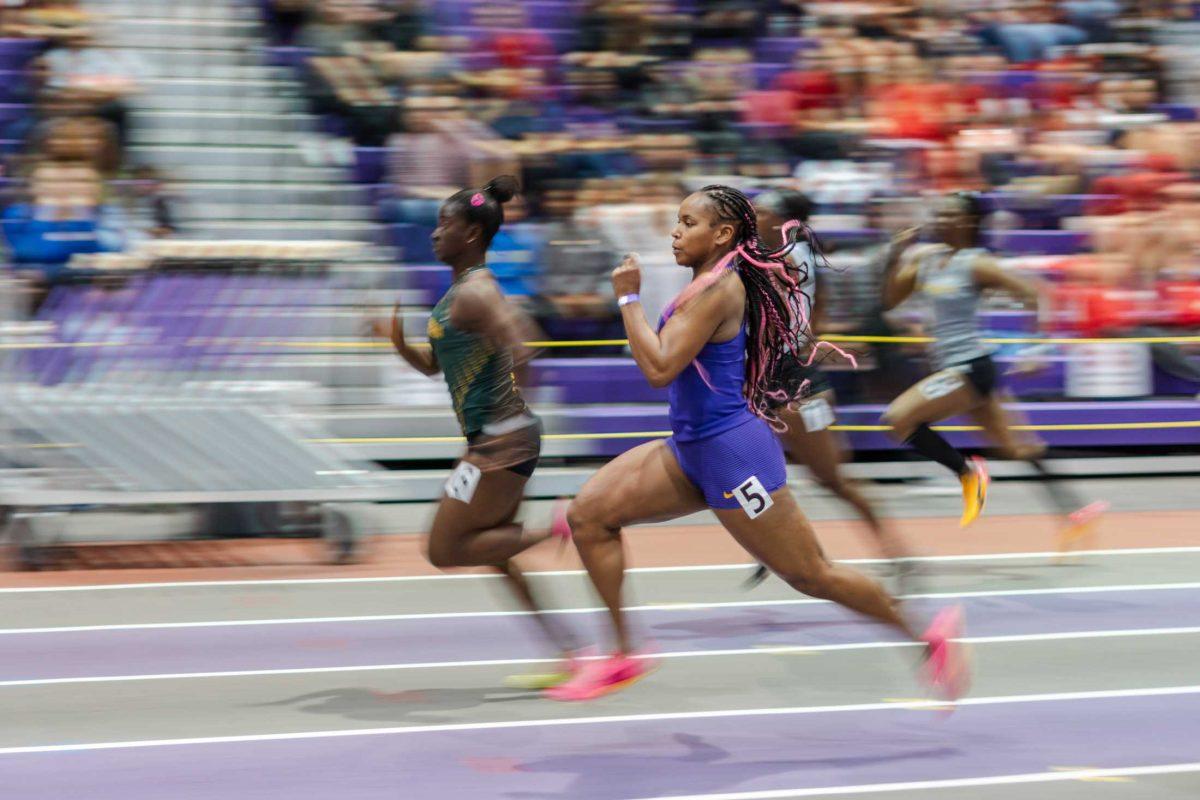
(775, 302)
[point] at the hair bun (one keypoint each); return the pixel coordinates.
(502, 188)
(797, 205)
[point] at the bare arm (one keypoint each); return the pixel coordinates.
(989, 274)
(662, 355)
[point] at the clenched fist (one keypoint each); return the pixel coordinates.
(389, 328)
(627, 277)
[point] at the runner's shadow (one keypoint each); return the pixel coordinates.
(372, 705)
(748, 621)
(1024, 572)
(950, 577)
(702, 768)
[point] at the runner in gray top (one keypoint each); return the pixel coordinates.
(951, 274)
(946, 278)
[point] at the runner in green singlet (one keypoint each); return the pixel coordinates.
(475, 338)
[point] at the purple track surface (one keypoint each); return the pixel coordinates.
(326, 644)
(637, 759)
(727, 722)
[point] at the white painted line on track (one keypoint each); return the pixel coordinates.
(768, 650)
(666, 607)
(955, 783)
(105, 587)
(1168, 691)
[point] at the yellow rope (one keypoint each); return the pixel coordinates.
(1086, 426)
(371, 344)
(827, 338)
(1019, 340)
(1083, 426)
(56, 345)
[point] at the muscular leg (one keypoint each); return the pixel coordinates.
(997, 423)
(782, 538)
(822, 453)
(941, 395)
(483, 533)
(559, 634)
(642, 484)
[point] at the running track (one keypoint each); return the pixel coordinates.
(1087, 683)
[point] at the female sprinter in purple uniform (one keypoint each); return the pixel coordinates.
(716, 348)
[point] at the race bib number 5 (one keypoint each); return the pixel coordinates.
(463, 481)
(752, 497)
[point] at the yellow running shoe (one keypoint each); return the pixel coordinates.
(563, 672)
(537, 682)
(975, 489)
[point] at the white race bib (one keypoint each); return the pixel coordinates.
(941, 385)
(463, 481)
(752, 497)
(817, 415)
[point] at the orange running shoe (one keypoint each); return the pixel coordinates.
(975, 483)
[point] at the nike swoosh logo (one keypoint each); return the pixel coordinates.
(727, 495)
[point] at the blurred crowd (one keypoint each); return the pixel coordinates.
(1076, 120)
(610, 110)
(68, 186)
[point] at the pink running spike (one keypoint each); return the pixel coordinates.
(598, 678)
(946, 667)
(560, 529)
(1089, 512)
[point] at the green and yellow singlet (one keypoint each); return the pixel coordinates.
(479, 375)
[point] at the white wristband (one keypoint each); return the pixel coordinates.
(626, 299)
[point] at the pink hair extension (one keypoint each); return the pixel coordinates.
(804, 384)
(822, 343)
(774, 266)
(786, 230)
(699, 285)
(777, 308)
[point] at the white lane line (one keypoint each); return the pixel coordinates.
(954, 783)
(1110, 694)
(767, 650)
(106, 587)
(672, 607)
